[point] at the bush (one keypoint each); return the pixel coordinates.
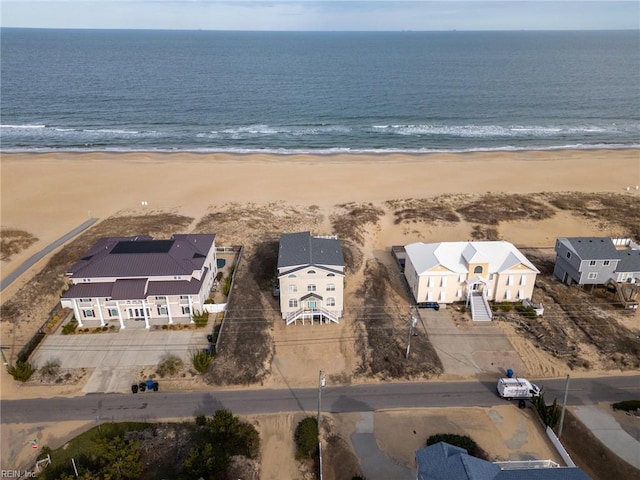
(51, 369)
(70, 327)
(169, 365)
(306, 438)
(200, 319)
(627, 405)
(549, 414)
(226, 288)
(201, 360)
(21, 371)
(209, 301)
(503, 306)
(528, 312)
(462, 441)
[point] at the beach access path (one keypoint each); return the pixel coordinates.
(31, 261)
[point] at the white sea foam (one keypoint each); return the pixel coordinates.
(23, 127)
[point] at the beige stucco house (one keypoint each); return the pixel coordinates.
(311, 278)
(130, 280)
(459, 271)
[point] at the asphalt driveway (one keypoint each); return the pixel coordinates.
(118, 357)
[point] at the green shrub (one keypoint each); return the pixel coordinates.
(51, 369)
(70, 327)
(503, 306)
(550, 414)
(306, 438)
(201, 420)
(201, 361)
(463, 309)
(21, 371)
(209, 301)
(627, 405)
(528, 312)
(200, 319)
(169, 365)
(462, 441)
(226, 288)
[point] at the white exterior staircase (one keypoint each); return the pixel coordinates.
(480, 309)
(306, 314)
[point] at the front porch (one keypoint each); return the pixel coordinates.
(312, 315)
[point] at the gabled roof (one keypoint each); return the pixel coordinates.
(141, 256)
(592, 248)
(302, 248)
(456, 256)
(443, 461)
(629, 261)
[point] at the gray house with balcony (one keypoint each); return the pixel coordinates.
(311, 278)
(596, 260)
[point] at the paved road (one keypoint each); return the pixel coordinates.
(29, 262)
(357, 398)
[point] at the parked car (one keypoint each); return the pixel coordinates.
(276, 290)
(434, 305)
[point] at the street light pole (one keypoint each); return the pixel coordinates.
(414, 322)
(321, 383)
(564, 405)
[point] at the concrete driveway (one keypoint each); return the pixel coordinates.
(469, 349)
(118, 357)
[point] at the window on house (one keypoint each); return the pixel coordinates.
(85, 299)
(507, 295)
(491, 276)
(311, 288)
(291, 276)
(311, 272)
(186, 310)
(461, 278)
(331, 302)
(88, 313)
(293, 303)
(184, 297)
(568, 254)
(459, 293)
(331, 274)
(520, 294)
(510, 280)
(592, 275)
(331, 287)
(606, 263)
(478, 269)
(523, 280)
(293, 288)
(112, 312)
(443, 282)
(592, 263)
(162, 310)
(443, 296)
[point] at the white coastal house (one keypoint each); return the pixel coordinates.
(311, 278)
(471, 272)
(139, 279)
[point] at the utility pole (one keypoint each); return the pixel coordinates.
(414, 322)
(564, 406)
(321, 384)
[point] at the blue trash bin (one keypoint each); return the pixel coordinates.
(149, 384)
(509, 373)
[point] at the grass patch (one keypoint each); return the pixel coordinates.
(491, 209)
(354, 219)
(169, 365)
(51, 369)
(413, 210)
(12, 242)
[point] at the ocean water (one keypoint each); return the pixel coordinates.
(84, 90)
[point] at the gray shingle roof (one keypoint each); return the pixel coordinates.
(629, 261)
(443, 461)
(114, 257)
(593, 248)
(303, 249)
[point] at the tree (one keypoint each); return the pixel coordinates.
(306, 438)
(121, 458)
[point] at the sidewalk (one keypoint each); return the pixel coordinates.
(610, 433)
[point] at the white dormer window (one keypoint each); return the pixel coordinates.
(311, 272)
(592, 263)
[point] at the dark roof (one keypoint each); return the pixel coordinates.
(593, 248)
(129, 289)
(303, 249)
(629, 261)
(89, 290)
(443, 461)
(141, 256)
(311, 295)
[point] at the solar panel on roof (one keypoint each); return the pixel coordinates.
(144, 246)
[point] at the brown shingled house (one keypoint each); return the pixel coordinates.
(128, 279)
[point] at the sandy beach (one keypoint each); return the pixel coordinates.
(49, 194)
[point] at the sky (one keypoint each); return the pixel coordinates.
(323, 15)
